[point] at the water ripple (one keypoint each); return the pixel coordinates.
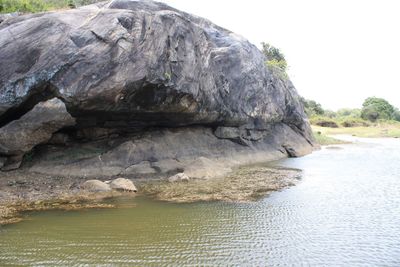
(345, 212)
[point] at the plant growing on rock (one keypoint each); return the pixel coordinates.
(275, 58)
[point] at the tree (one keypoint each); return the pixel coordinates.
(377, 108)
(274, 56)
(272, 52)
(396, 115)
(311, 107)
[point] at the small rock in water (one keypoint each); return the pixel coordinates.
(179, 177)
(95, 186)
(123, 184)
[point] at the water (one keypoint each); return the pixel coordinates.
(345, 212)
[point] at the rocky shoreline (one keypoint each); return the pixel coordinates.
(21, 191)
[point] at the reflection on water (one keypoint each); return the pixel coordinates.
(345, 212)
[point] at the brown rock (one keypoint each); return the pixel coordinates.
(122, 184)
(95, 186)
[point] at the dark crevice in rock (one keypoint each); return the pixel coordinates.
(104, 40)
(290, 151)
(126, 22)
(41, 92)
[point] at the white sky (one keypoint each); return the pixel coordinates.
(339, 51)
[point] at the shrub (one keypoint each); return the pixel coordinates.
(323, 122)
(24, 6)
(353, 122)
(349, 112)
(275, 58)
(32, 6)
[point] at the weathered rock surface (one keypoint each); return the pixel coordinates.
(35, 127)
(179, 177)
(142, 168)
(123, 184)
(167, 166)
(196, 149)
(95, 186)
(141, 63)
(205, 168)
(2, 161)
(137, 76)
(4, 17)
(12, 162)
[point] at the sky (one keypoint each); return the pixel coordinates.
(339, 52)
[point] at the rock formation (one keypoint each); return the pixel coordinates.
(95, 186)
(123, 184)
(146, 84)
(35, 127)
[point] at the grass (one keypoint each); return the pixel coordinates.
(33, 6)
(325, 140)
(342, 121)
(383, 129)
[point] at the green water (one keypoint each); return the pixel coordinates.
(140, 231)
(344, 212)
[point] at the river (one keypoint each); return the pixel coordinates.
(344, 212)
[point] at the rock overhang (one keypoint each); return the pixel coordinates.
(131, 65)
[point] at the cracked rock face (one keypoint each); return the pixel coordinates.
(133, 64)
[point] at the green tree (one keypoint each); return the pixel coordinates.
(396, 115)
(375, 108)
(272, 52)
(275, 57)
(312, 107)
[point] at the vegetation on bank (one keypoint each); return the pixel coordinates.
(376, 118)
(324, 140)
(374, 112)
(378, 130)
(33, 6)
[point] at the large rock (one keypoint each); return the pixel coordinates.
(132, 64)
(146, 83)
(35, 127)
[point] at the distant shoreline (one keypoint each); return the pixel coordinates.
(323, 135)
